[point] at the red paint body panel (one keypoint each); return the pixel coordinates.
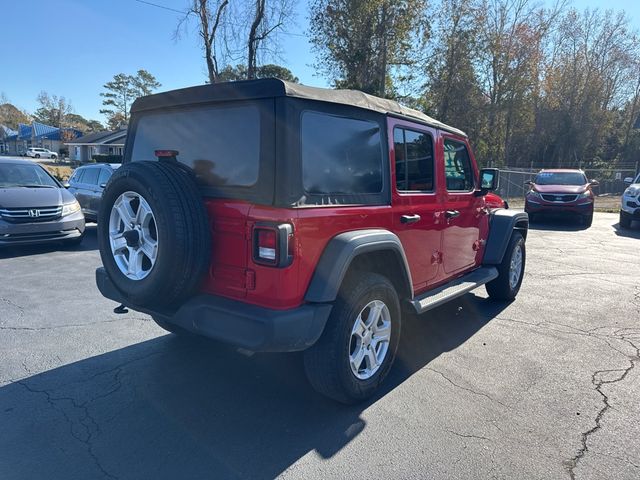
(437, 249)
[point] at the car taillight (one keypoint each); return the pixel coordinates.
(272, 244)
(267, 245)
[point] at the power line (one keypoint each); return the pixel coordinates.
(189, 13)
(163, 7)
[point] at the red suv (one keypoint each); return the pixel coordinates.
(561, 191)
(279, 217)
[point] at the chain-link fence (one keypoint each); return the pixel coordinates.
(512, 182)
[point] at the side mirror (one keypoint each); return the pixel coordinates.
(594, 183)
(628, 180)
(528, 183)
(489, 179)
(65, 184)
(103, 185)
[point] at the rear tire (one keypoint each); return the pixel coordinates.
(37, 155)
(328, 363)
(625, 221)
(506, 286)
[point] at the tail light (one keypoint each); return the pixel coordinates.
(271, 244)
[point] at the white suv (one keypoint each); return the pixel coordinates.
(41, 152)
(630, 203)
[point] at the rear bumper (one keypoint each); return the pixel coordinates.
(559, 208)
(65, 228)
(252, 327)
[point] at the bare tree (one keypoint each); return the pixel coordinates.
(211, 15)
(268, 17)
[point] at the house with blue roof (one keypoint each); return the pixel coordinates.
(36, 135)
(6, 134)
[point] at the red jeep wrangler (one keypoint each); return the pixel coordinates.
(279, 217)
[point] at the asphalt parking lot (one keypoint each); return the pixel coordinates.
(546, 387)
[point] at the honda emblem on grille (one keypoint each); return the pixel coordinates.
(34, 213)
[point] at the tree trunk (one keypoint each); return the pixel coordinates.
(253, 39)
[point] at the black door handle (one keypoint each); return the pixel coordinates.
(451, 213)
(409, 218)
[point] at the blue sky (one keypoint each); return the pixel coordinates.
(72, 47)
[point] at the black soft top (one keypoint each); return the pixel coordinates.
(273, 87)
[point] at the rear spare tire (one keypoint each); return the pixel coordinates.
(153, 233)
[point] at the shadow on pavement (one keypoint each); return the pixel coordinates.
(557, 223)
(175, 407)
(633, 232)
(90, 242)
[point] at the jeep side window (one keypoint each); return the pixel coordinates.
(340, 155)
(457, 167)
(414, 160)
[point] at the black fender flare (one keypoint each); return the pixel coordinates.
(342, 250)
(502, 223)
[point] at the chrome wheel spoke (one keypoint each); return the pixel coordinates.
(150, 249)
(369, 340)
(118, 242)
(357, 358)
(372, 359)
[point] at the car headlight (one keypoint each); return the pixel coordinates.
(535, 194)
(631, 191)
(586, 194)
(70, 208)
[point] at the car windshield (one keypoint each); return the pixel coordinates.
(560, 178)
(13, 175)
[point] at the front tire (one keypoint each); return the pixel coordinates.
(625, 221)
(510, 270)
(37, 155)
(359, 343)
(587, 220)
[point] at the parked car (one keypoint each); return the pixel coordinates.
(630, 202)
(311, 229)
(87, 184)
(36, 152)
(35, 207)
(561, 191)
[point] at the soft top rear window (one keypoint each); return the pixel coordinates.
(220, 143)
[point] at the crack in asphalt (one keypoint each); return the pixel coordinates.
(71, 325)
(599, 383)
(621, 334)
(87, 440)
(482, 394)
(15, 305)
(91, 428)
(464, 435)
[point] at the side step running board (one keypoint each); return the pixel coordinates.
(456, 288)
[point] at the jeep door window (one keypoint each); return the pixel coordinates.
(414, 160)
(340, 155)
(220, 143)
(457, 167)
